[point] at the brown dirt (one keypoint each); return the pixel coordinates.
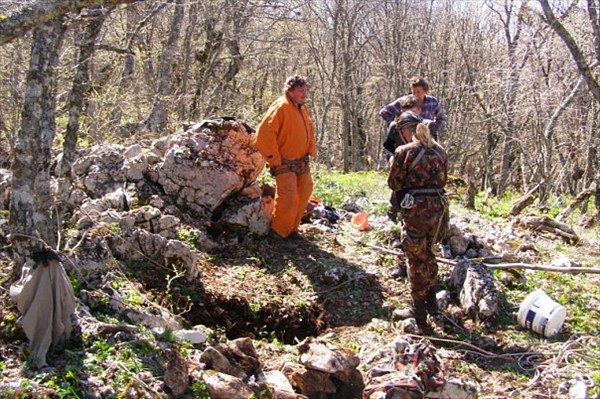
(326, 283)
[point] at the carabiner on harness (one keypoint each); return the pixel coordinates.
(408, 202)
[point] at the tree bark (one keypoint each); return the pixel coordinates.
(545, 223)
(158, 117)
(469, 201)
(220, 94)
(42, 11)
(80, 87)
(523, 202)
(31, 203)
(206, 59)
(585, 69)
(508, 144)
(187, 52)
(582, 196)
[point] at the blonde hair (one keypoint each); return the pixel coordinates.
(423, 135)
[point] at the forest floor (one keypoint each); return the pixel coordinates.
(353, 288)
(340, 282)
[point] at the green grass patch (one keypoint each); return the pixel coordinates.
(495, 207)
(368, 189)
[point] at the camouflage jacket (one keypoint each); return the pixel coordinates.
(416, 166)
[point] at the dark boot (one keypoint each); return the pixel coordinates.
(420, 312)
(400, 272)
(431, 301)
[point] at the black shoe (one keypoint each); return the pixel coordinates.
(446, 249)
(420, 313)
(401, 272)
(431, 304)
(274, 236)
(281, 242)
(294, 235)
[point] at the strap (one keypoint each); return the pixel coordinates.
(436, 151)
(416, 160)
(420, 155)
(426, 191)
(294, 161)
(298, 166)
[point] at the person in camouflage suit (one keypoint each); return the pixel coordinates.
(394, 140)
(418, 175)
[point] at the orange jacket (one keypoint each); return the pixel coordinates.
(285, 132)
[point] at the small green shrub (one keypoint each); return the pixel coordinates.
(200, 390)
(188, 236)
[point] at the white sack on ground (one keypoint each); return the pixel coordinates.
(45, 298)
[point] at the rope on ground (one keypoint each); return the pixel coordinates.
(564, 364)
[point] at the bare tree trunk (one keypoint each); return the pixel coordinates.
(206, 57)
(187, 51)
(508, 145)
(87, 41)
(236, 20)
(13, 97)
(581, 197)
(505, 164)
(346, 127)
(128, 62)
(510, 128)
(585, 69)
(31, 203)
(328, 78)
(591, 158)
(469, 201)
(158, 116)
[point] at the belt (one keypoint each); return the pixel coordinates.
(298, 166)
(408, 195)
(425, 191)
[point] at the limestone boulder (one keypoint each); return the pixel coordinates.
(200, 168)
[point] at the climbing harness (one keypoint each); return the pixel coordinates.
(408, 195)
(298, 166)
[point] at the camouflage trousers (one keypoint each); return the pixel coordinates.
(421, 224)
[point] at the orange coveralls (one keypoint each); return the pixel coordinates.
(287, 133)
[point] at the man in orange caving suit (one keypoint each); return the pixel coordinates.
(286, 139)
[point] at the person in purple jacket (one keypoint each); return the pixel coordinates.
(430, 107)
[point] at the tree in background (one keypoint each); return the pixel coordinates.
(30, 216)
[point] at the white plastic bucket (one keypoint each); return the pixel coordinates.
(540, 313)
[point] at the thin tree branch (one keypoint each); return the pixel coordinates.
(585, 69)
(40, 12)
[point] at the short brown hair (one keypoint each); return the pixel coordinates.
(409, 101)
(417, 81)
(294, 81)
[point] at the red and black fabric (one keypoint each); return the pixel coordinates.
(415, 374)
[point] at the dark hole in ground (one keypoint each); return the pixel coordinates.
(287, 323)
(234, 315)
